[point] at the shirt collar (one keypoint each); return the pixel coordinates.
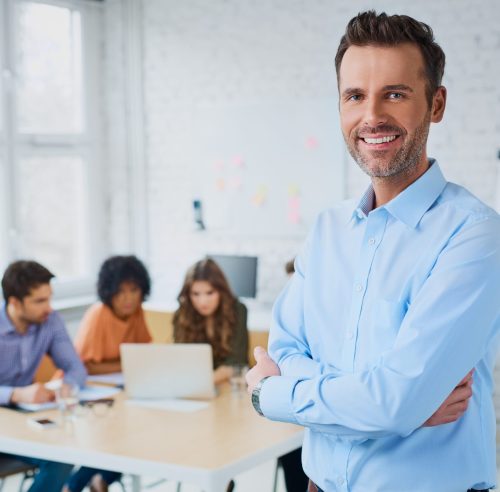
(412, 203)
(365, 205)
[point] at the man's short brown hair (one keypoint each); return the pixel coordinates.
(21, 277)
(372, 29)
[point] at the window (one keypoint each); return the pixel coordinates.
(49, 151)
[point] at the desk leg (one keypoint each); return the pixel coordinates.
(136, 483)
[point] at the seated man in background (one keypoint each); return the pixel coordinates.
(122, 286)
(29, 329)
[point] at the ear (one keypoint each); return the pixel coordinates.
(14, 302)
(438, 105)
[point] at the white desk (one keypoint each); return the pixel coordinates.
(206, 448)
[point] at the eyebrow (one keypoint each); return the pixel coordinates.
(398, 87)
(350, 91)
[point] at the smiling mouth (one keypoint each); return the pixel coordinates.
(379, 140)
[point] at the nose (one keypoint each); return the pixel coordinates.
(375, 114)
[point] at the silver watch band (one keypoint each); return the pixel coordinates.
(256, 395)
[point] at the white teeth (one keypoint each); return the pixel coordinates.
(380, 140)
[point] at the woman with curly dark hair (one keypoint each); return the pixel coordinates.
(210, 313)
(122, 286)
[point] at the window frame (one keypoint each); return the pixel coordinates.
(88, 145)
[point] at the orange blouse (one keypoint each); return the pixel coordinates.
(101, 333)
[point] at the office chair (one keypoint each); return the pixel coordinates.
(12, 466)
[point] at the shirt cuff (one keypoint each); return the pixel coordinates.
(5, 394)
(276, 398)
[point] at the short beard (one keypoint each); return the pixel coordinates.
(406, 158)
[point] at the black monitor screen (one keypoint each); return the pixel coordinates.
(241, 273)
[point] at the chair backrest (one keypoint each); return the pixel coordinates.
(256, 338)
(45, 370)
(160, 325)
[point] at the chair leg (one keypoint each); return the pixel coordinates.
(179, 486)
(2, 483)
(275, 481)
(26, 476)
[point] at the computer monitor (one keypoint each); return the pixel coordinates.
(241, 273)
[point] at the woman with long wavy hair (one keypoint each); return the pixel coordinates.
(210, 313)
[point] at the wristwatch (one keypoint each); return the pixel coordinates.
(256, 396)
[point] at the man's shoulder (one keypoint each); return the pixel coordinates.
(465, 206)
(54, 321)
(340, 212)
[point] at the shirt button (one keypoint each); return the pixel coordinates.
(350, 334)
(358, 287)
(371, 241)
(340, 481)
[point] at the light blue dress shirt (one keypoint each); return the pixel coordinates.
(388, 310)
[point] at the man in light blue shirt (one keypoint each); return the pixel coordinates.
(395, 298)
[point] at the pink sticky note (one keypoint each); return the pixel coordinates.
(238, 161)
(294, 202)
(311, 142)
(293, 217)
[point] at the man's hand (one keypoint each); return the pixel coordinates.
(455, 405)
(265, 367)
(34, 393)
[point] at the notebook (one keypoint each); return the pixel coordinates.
(159, 371)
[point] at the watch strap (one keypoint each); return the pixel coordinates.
(256, 396)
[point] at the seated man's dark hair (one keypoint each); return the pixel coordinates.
(22, 276)
(372, 29)
(118, 269)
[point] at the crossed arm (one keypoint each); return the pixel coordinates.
(449, 411)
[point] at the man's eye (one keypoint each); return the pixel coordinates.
(396, 95)
(354, 97)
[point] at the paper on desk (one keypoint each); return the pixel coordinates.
(174, 405)
(88, 393)
(37, 407)
(114, 378)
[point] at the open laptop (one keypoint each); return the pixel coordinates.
(159, 371)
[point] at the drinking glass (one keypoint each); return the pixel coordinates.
(67, 400)
(238, 382)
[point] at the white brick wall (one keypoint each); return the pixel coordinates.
(200, 52)
(223, 51)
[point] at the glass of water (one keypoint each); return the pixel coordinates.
(67, 400)
(238, 382)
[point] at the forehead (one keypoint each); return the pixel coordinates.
(201, 286)
(364, 66)
(40, 291)
(128, 284)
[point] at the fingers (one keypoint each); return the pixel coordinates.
(457, 408)
(260, 354)
(460, 393)
(467, 378)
